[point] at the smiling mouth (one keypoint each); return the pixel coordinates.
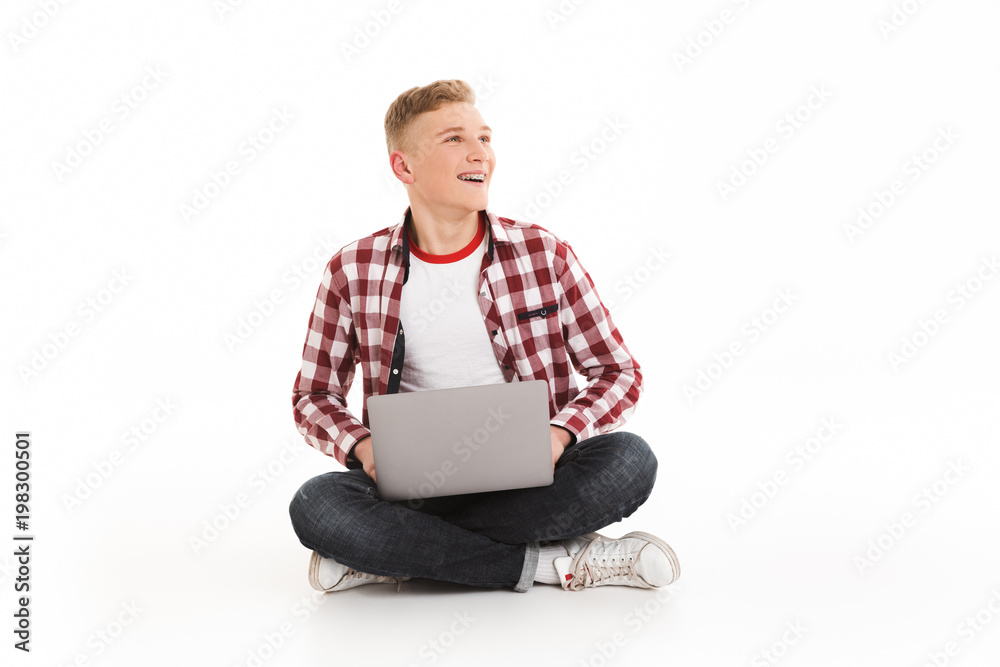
(473, 178)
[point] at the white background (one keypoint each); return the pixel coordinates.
(549, 84)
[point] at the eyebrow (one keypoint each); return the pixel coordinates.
(461, 129)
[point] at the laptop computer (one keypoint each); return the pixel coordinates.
(445, 442)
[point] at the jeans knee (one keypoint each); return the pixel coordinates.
(329, 500)
(299, 505)
(643, 463)
(317, 496)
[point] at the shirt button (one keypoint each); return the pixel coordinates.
(482, 294)
(495, 332)
(395, 371)
(506, 367)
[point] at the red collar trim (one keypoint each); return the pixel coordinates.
(450, 257)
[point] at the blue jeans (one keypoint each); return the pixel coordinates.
(485, 539)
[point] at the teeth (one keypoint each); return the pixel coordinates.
(473, 177)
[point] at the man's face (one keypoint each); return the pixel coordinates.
(446, 144)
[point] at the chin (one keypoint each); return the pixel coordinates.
(477, 204)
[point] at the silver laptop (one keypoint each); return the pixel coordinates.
(445, 442)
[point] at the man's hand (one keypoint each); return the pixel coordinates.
(363, 453)
(560, 439)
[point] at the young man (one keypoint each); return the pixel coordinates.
(478, 299)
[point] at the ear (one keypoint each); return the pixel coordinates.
(399, 164)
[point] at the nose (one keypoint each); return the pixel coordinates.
(480, 154)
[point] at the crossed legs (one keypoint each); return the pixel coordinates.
(479, 539)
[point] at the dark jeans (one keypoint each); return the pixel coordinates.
(480, 539)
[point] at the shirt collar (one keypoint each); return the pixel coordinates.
(399, 242)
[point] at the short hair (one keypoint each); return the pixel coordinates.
(417, 100)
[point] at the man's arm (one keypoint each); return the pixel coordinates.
(328, 361)
(597, 350)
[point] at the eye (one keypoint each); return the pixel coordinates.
(486, 138)
(450, 138)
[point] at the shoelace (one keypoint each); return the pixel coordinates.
(588, 575)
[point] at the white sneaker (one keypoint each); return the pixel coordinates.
(636, 559)
(329, 576)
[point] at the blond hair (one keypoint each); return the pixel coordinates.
(417, 100)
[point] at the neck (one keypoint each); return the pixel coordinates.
(442, 235)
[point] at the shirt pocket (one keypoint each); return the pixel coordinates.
(543, 312)
(538, 328)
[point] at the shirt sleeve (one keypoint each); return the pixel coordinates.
(329, 356)
(614, 382)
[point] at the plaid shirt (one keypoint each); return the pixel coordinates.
(540, 309)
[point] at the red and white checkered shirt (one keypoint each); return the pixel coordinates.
(540, 309)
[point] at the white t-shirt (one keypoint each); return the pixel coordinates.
(446, 341)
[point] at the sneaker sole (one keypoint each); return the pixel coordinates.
(675, 564)
(314, 563)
